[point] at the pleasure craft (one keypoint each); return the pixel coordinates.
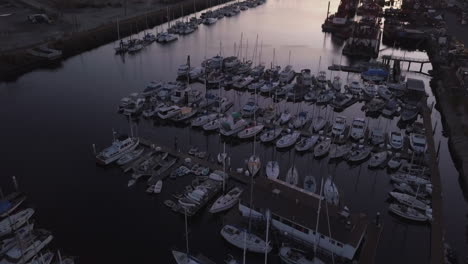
(210, 20)
(184, 258)
(256, 86)
(232, 125)
(336, 84)
(134, 107)
(152, 88)
(395, 162)
(15, 221)
(396, 140)
(292, 176)
(284, 90)
(355, 88)
(243, 82)
(410, 200)
(306, 143)
(341, 100)
(240, 238)
(24, 252)
(287, 74)
(418, 142)
(288, 140)
(390, 108)
(271, 134)
(359, 154)
(129, 156)
(269, 87)
(212, 125)
(358, 128)
(377, 136)
(310, 184)
(384, 92)
(135, 48)
(258, 70)
(231, 62)
(409, 179)
(295, 256)
(322, 77)
(408, 212)
(322, 148)
(325, 97)
(378, 159)
(331, 192)
(250, 108)
(370, 90)
(299, 121)
(339, 151)
(185, 114)
(409, 112)
(306, 78)
(272, 169)
(250, 131)
(118, 148)
(196, 72)
(226, 201)
(339, 126)
(202, 120)
(285, 117)
(169, 112)
(375, 105)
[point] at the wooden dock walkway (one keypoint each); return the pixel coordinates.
(437, 244)
(370, 245)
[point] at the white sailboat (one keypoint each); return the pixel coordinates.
(310, 184)
(295, 256)
(378, 159)
(271, 135)
(306, 143)
(331, 192)
(322, 148)
(15, 221)
(226, 201)
(292, 176)
(410, 200)
(240, 238)
(288, 140)
(408, 212)
(272, 169)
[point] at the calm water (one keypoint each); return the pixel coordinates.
(51, 119)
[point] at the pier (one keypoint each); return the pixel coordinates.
(386, 59)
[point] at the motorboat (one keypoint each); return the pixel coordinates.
(407, 212)
(242, 83)
(269, 87)
(377, 136)
(232, 125)
(166, 37)
(288, 140)
(319, 123)
(43, 258)
(210, 20)
(322, 77)
(384, 92)
(410, 200)
(287, 74)
(15, 221)
(359, 154)
(169, 112)
(339, 126)
(135, 48)
(284, 89)
(254, 165)
(272, 169)
(311, 96)
(196, 73)
(23, 252)
(185, 114)
(135, 106)
(258, 70)
(119, 147)
(241, 238)
(152, 88)
(378, 159)
(306, 78)
(250, 108)
(358, 128)
(299, 121)
(409, 112)
(336, 84)
(226, 201)
(341, 100)
(339, 151)
(325, 97)
(212, 125)
(418, 142)
(158, 187)
(285, 117)
(370, 90)
(322, 148)
(184, 71)
(222, 104)
(257, 86)
(292, 176)
(390, 108)
(215, 78)
(306, 143)
(244, 67)
(231, 62)
(396, 140)
(10, 203)
(271, 134)
(355, 87)
(295, 256)
(130, 156)
(202, 120)
(184, 258)
(310, 184)
(250, 131)
(375, 105)
(331, 192)
(150, 112)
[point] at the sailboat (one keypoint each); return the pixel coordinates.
(295, 256)
(272, 169)
(331, 192)
(254, 164)
(310, 184)
(15, 221)
(292, 176)
(240, 238)
(226, 201)
(407, 212)
(271, 134)
(322, 148)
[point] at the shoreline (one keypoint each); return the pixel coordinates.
(15, 63)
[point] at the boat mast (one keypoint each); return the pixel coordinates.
(260, 55)
(318, 218)
(289, 59)
(268, 217)
(224, 165)
(186, 233)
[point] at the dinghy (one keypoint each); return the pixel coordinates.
(322, 148)
(292, 177)
(378, 159)
(272, 169)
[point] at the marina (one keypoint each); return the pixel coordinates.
(280, 147)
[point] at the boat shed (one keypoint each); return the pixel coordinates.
(295, 212)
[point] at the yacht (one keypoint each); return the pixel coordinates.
(418, 142)
(409, 112)
(271, 134)
(396, 140)
(295, 256)
(377, 136)
(134, 106)
(118, 148)
(226, 201)
(288, 140)
(287, 74)
(358, 128)
(355, 88)
(240, 238)
(232, 125)
(129, 156)
(370, 90)
(272, 169)
(196, 72)
(250, 131)
(384, 92)
(183, 71)
(359, 154)
(322, 148)
(152, 88)
(169, 112)
(339, 126)
(378, 159)
(408, 213)
(250, 108)
(15, 221)
(306, 143)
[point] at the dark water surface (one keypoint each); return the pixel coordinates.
(50, 119)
